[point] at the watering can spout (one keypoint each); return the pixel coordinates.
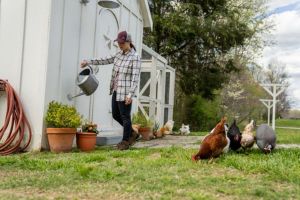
(70, 97)
(86, 81)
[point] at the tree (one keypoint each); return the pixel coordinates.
(202, 39)
(240, 97)
(206, 41)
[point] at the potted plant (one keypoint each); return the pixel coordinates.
(86, 139)
(145, 125)
(62, 123)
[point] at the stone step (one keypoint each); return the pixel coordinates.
(111, 137)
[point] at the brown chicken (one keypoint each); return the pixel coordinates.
(213, 144)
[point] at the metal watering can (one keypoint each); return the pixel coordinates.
(87, 82)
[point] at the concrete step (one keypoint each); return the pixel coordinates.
(111, 137)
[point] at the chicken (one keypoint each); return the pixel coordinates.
(248, 138)
(265, 138)
(235, 136)
(213, 144)
(167, 129)
(184, 130)
(226, 148)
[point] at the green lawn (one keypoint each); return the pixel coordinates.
(200, 133)
(284, 136)
(288, 122)
(287, 136)
(150, 174)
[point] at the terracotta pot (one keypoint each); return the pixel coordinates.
(159, 134)
(86, 141)
(61, 139)
(146, 133)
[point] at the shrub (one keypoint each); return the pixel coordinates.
(62, 116)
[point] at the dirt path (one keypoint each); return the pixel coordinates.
(186, 142)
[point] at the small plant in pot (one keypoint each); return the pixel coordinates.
(145, 124)
(86, 139)
(62, 123)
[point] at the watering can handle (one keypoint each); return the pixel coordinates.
(96, 71)
(89, 66)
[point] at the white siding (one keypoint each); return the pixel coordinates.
(42, 44)
(124, 18)
(63, 51)
(24, 35)
(12, 22)
(86, 49)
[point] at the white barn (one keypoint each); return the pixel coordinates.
(42, 43)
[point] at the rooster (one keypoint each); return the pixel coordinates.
(213, 144)
(248, 137)
(235, 136)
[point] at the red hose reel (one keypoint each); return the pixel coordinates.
(15, 134)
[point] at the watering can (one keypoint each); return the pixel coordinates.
(87, 82)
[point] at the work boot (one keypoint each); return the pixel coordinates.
(124, 145)
(134, 136)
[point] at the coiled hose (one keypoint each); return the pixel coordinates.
(16, 122)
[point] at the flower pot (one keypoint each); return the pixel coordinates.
(86, 141)
(61, 139)
(158, 134)
(146, 133)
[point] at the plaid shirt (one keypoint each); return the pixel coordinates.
(125, 73)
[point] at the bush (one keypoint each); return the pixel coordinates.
(62, 116)
(199, 113)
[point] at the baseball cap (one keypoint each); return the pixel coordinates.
(123, 37)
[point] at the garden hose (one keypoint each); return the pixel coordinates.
(15, 140)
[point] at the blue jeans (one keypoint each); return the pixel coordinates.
(121, 113)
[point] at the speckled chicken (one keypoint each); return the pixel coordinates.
(213, 144)
(235, 136)
(248, 137)
(265, 138)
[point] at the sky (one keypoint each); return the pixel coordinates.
(285, 15)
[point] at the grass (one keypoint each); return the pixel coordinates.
(284, 136)
(150, 174)
(287, 136)
(288, 123)
(199, 133)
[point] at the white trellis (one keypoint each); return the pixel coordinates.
(274, 90)
(156, 96)
(269, 104)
